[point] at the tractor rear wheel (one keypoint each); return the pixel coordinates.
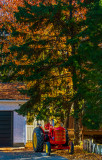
(38, 139)
(48, 148)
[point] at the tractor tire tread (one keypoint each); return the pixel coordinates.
(40, 139)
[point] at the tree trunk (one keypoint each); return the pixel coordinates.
(76, 105)
(74, 79)
(76, 110)
(76, 124)
(76, 132)
(66, 122)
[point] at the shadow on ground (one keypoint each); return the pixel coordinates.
(28, 155)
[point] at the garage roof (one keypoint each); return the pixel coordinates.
(8, 91)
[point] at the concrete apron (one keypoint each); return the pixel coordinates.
(11, 148)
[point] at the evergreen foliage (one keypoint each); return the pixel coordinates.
(63, 60)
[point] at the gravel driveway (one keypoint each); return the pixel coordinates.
(28, 155)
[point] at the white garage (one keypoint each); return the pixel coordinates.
(12, 125)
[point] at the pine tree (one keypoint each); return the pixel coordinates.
(60, 48)
(91, 48)
(86, 66)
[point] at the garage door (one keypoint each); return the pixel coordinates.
(6, 129)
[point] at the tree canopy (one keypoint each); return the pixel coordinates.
(59, 58)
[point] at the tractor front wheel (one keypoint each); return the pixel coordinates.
(48, 148)
(38, 139)
(71, 145)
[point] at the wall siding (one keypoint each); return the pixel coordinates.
(19, 129)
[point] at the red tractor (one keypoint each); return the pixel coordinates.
(53, 137)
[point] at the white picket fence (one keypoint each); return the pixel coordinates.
(30, 128)
(90, 146)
